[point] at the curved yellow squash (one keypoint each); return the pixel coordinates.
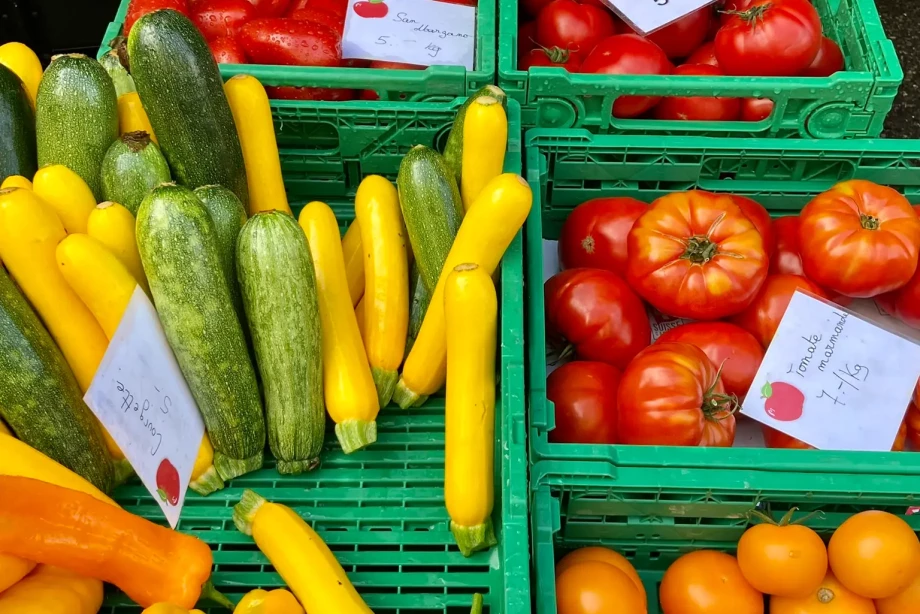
(485, 233)
(471, 315)
(278, 601)
(253, 118)
(205, 478)
(67, 194)
(25, 64)
(354, 261)
(114, 226)
(359, 315)
(16, 181)
(386, 281)
(348, 387)
(485, 138)
(52, 590)
(132, 117)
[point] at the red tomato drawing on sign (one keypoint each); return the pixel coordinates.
(782, 401)
(372, 9)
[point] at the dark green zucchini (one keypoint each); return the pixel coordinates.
(453, 150)
(132, 167)
(229, 216)
(17, 128)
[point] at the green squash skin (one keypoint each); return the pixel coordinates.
(17, 128)
(178, 245)
(278, 282)
(39, 396)
(132, 166)
(76, 118)
(229, 217)
(180, 86)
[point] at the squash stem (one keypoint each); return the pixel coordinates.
(293, 467)
(229, 468)
(207, 483)
(209, 593)
(472, 539)
(405, 397)
(244, 512)
(356, 434)
(385, 382)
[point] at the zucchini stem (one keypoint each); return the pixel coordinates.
(356, 434)
(229, 468)
(385, 383)
(244, 512)
(473, 539)
(207, 483)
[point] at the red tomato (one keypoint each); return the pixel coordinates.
(671, 395)
(756, 109)
(597, 313)
(904, 303)
(309, 93)
(828, 61)
(759, 215)
(281, 40)
(704, 55)
(786, 258)
(220, 18)
(628, 54)
(696, 255)
(594, 235)
(527, 38)
(334, 22)
(770, 38)
(336, 7)
(859, 239)
(912, 420)
(276, 8)
(227, 51)
(576, 27)
(387, 65)
(699, 108)
(777, 439)
(585, 395)
(679, 39)
(762, 318)
(532, 8)
(731, 348)
(554, 56)
(139, 8)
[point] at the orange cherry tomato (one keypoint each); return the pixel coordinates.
(875, 554)
(785, 561)
(594, 587)
(708, 582)
(907, 600)
(604, 555)
(831, 597)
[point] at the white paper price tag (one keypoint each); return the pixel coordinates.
(424, 32)
(646, 16)
(142, 399)
(834, 379)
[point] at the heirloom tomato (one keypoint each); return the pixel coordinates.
(585, 396)
(730, 348)
(594, 235)
(699, 108)
(905, 601)
(696, 255)
(786, 258)
(680, 38)
(831, 597)
(598, 314)
(904, 303)
(778, 439)
(912, 420)
(671, 394)
(594, 587)
(604, 555)
(764, 314)
(859, 239)
(828, 61)
(783, 560)
(704, 55)
(770, 38)
(569, 25)
(875, 554)
(708, 582)
(759, 215)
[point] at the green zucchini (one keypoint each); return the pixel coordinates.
(421, 298)
(76, 117)
(431, 208)
(17, 128)
(453, 150)
(177, 241)
(132, 167)
(278, 283)
(39, 396)
(177, 78)
(229, 216)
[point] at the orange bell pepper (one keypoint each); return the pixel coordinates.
(57, 526)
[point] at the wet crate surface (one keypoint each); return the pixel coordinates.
(381, 510)
(849, 104)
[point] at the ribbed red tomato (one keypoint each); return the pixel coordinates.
(758, 214)
(859, 239)
(569, 25)
(680, 38)
(598, 314)
(777, 439)
(696, 255)
(671, 394)
(763, 316)
(585, 396)
(699, 108)
(828, 61)
(594, 235)
(730, 348)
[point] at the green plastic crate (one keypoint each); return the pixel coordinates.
(850, 104)
(568, 167)
(436, 83)
(381, 510)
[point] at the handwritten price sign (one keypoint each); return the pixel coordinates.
(833, 379)
(646, 16)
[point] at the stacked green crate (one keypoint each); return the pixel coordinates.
(381, 510)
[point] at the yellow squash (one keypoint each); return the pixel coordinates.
(386, 281)
(16, 181)
(485, 137)
(253, 118)
(168, 608)
(304, 561)
(132, 117)
(12, 570)
(67, 194)
(348, 387)
(205, 479)
(354, 261)
(359, 315)
(484, 235)
(471, 315)
(278, 601)
(25, 64)
(113, 226)
(52, 590)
